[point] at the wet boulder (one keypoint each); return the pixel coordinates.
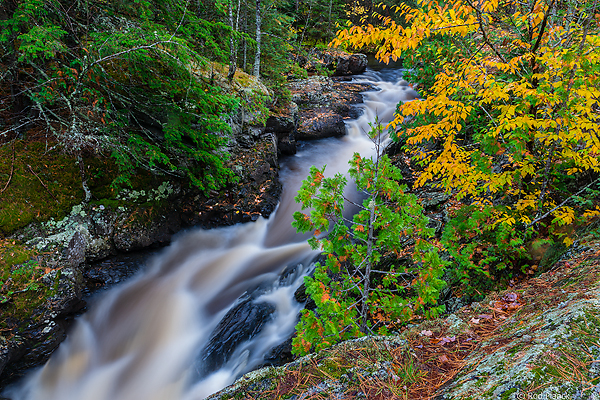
(280, 354)
(321, 123)
(241, 323)
(351, 64)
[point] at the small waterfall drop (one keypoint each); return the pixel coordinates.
(142, 340)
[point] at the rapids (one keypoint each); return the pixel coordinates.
(142, 340)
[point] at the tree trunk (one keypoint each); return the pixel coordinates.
(367, 284)
(329, 35)
(244, 43)
(256, 72)
(232, 45)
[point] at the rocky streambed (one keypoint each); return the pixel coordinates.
(69, 248)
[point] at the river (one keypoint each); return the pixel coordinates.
(147, 339)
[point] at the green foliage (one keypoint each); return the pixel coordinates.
(119, 78)
(296, 72)
(316, 21)
(509, 123)
(41, 41)
(22, 278)
(355, 291)
(257, 104)
(485, 253)
(275, 60)
(425, 62)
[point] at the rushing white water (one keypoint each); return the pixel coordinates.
(143, 339)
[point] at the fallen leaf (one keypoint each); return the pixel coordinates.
(445, 340)
(443, 358)
(510, 297)
(475, 320)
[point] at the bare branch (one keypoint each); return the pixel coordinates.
(12, 169)
(535, 221)
(42, 182)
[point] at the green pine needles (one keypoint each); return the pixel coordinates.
(364, 287)
(121, 78)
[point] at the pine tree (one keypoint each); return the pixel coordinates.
(362, 284)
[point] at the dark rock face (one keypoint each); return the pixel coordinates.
(279, 355)
(140, 231)
(76, 249)
(35, 341)
(102, 275)
(351, 64)
(241, 323)
(321, 123)
(284, 128)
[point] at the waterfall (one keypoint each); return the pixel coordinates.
(150, 338)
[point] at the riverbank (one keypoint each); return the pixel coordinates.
(54, 234)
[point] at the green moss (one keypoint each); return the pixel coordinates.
(22, 293)
(109, 203)
(44, 184)
(334, 367)
(506, 394)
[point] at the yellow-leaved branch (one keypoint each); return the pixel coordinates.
(512, 116)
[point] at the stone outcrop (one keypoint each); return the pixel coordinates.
(337, 61)
(320, 124)
(351, 64)
(318, 109)
(324, 104)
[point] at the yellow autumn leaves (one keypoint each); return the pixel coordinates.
(514, 111)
